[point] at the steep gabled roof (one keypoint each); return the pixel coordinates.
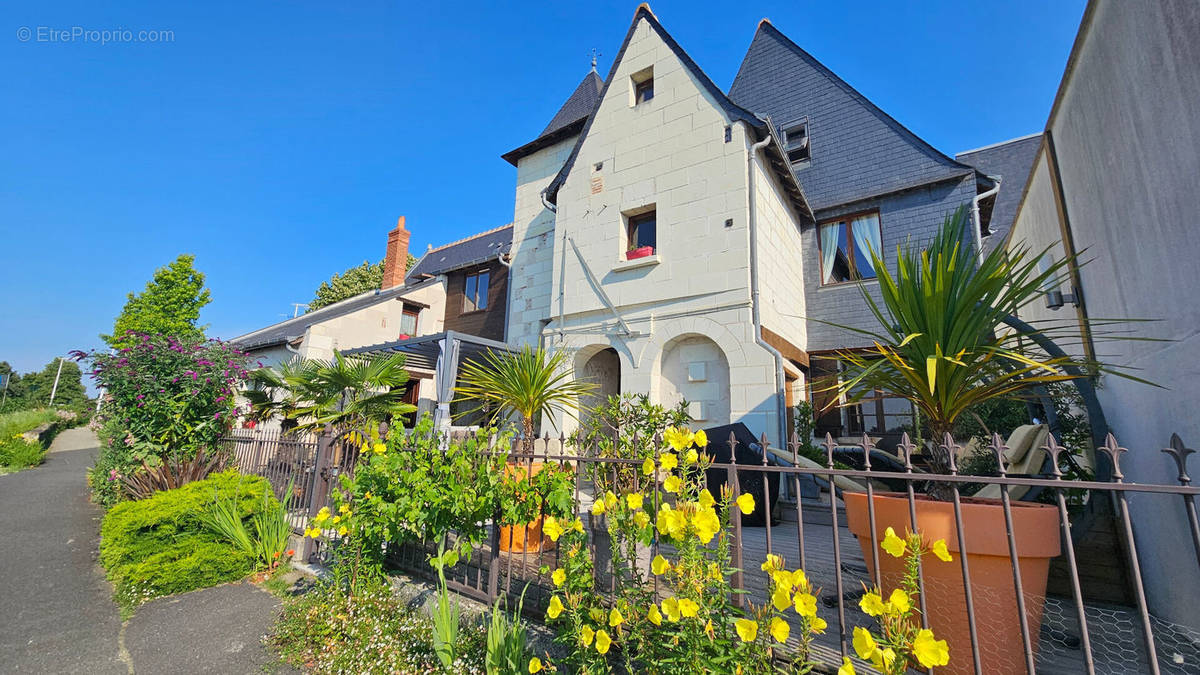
(857, 150)
(567, 121)
(475, 249)
(733, 112)
(1012, 161)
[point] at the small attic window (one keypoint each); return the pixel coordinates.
(795, 139)
(642, 84)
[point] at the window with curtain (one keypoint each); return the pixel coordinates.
(475, 296)
(846, 244)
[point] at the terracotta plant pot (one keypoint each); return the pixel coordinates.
(526, 538)
(997, 623)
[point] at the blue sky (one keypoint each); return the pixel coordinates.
(279, 141)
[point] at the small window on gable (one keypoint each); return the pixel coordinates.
(641, 235)
(795, 139)
(408, 321)
(475, 296)
(643, 85)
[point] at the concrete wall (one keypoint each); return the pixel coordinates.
(780, 261)
(1126, 129)
(912, 215)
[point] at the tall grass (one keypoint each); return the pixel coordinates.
(15, 451)
(20, 421)
(265, 536)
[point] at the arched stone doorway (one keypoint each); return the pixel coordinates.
(603, 369)
(693, 368)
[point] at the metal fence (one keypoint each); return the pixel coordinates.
(1070, 626)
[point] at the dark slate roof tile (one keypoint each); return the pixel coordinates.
(475, 249)
(567, 121)
(1012, 161)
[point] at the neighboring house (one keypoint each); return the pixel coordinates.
(1115, 181)
(1009, 164)
(690, 243)
(400, 307)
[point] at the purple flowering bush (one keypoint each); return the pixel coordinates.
(163, 396)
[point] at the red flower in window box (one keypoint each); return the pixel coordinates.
(404, 336)
(642, 252)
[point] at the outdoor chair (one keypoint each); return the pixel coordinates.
(1025, 457)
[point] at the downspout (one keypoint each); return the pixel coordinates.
(508, 284)
(562, 272)
(780, 400)
(975, 212)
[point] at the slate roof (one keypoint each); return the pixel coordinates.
(474, 249)
(1012, 161)
(294, 328)
(567, 121)
(733, 112)
(858, 151)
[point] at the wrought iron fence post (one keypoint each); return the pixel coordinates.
(320, 486)
(1179, 452)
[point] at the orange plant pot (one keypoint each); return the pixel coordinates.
(526, 538)
(997, 622)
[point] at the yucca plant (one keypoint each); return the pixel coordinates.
(528, 383)
(345, 391)
(265, 536)
(942, 343)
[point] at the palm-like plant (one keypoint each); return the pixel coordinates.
(528, 384)
(942, 343)
(346, 391)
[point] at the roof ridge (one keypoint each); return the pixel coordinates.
(767, 26)
(999, 143)
(466, 239)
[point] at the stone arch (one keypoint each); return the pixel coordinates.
(693, 367)
(600, 365)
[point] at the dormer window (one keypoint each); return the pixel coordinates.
(642, 83)
(795, 140)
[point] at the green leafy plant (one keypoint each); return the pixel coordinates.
(161, 545)
(447, 613)
(347, 391)
(265, 535)
(507, 640)
(169, 305)
(354, 281)
(528, 384)
(622, 428)
(942, 343)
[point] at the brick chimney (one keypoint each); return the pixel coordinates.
(395, 265)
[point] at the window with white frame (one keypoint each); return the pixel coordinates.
(795, 141)
(846, 245)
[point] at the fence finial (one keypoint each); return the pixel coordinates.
(1054, 450)
(906, 448)
(1114, 452)
(867, 446)
(950, 448)
(998, 448)
(1179, 452)
(829, 446)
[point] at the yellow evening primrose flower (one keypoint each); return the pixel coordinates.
(337, 519)
(368, 494)
(648, 466)
(799, 579)
(706, 499)
(614, 618)
(700, 438)
(707, 525)
(633, 500)
(747, 630)
(806, 604)
(556, 608)
(668, 461)
(781, 598)
(641, 519)
(894, 545)
(535, 665)
(312, 532)
(670, 607)
(586, 635)
(379, 448)
(659, 564)
(899, 602)
(817, 624)
(939, 549)
(344, 509)
(551, 528)
(846, 668)
(322, 515)
(872, 604)
(930, 652)
(783, 579)
(864, 645)
(577, 526)
(596, 614)
(342, 531)
(884, 658)
(598, 507)
(780, 629)
(559, 576)
(610, 499)
(654, 615)
(746, 503)
(773, 562)
(691, 456)
(678, 438)
(671, 484)
(709, 630)
(714, 571)
(603, 641)
(688, 608)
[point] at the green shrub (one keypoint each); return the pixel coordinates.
(18, 453)
(161, 546)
